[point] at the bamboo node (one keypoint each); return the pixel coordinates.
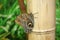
(47, 31)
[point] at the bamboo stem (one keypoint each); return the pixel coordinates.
(44, 19)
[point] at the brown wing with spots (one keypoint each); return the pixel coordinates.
(25, 20)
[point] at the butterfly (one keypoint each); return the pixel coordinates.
(26, 21)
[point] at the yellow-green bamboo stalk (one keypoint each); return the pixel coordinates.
(44, 19)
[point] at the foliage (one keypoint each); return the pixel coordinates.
(57, 19)
(9, 30)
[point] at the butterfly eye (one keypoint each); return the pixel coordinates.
(30, 24)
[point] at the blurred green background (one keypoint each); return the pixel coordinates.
(9, 30)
